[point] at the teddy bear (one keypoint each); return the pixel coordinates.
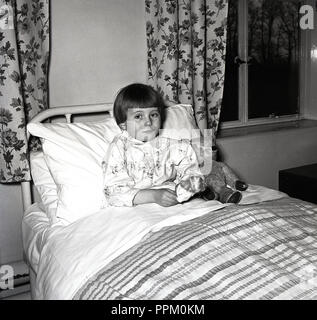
(220, 184)
(223, 184)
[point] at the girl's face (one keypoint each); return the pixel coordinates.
(143, 124)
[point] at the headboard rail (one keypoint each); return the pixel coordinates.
(67, 112)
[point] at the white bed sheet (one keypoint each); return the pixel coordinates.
(40, 237)
(36, 227)
(75, 252)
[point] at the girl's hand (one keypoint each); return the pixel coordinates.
(165, 197)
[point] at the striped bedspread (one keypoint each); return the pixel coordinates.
(262, 251)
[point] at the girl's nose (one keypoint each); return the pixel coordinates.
(148, 122)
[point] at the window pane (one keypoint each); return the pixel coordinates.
(229, 108)
(273, 46)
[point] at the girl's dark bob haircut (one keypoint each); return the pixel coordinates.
(137, 95)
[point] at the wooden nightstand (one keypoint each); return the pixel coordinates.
(300, 182)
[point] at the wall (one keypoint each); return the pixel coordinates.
(10, 223)
(257, 158)
(97, 47)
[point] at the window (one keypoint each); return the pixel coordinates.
(262, 62)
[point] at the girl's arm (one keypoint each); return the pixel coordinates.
(118, 185)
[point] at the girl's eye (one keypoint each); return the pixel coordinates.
(138, 116)
(155, 115)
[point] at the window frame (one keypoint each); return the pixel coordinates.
(243, 121)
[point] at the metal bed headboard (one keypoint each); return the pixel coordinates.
(67, 112)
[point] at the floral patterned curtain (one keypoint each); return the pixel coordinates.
(186, 43)
(24, 57)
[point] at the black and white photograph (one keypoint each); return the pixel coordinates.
(158, 150)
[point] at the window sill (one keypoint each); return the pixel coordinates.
(263, 128)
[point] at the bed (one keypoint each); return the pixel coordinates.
(76, 248)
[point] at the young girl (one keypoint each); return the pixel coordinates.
(142, 167)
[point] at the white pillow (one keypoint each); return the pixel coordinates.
(73, 153)
(44, 184)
